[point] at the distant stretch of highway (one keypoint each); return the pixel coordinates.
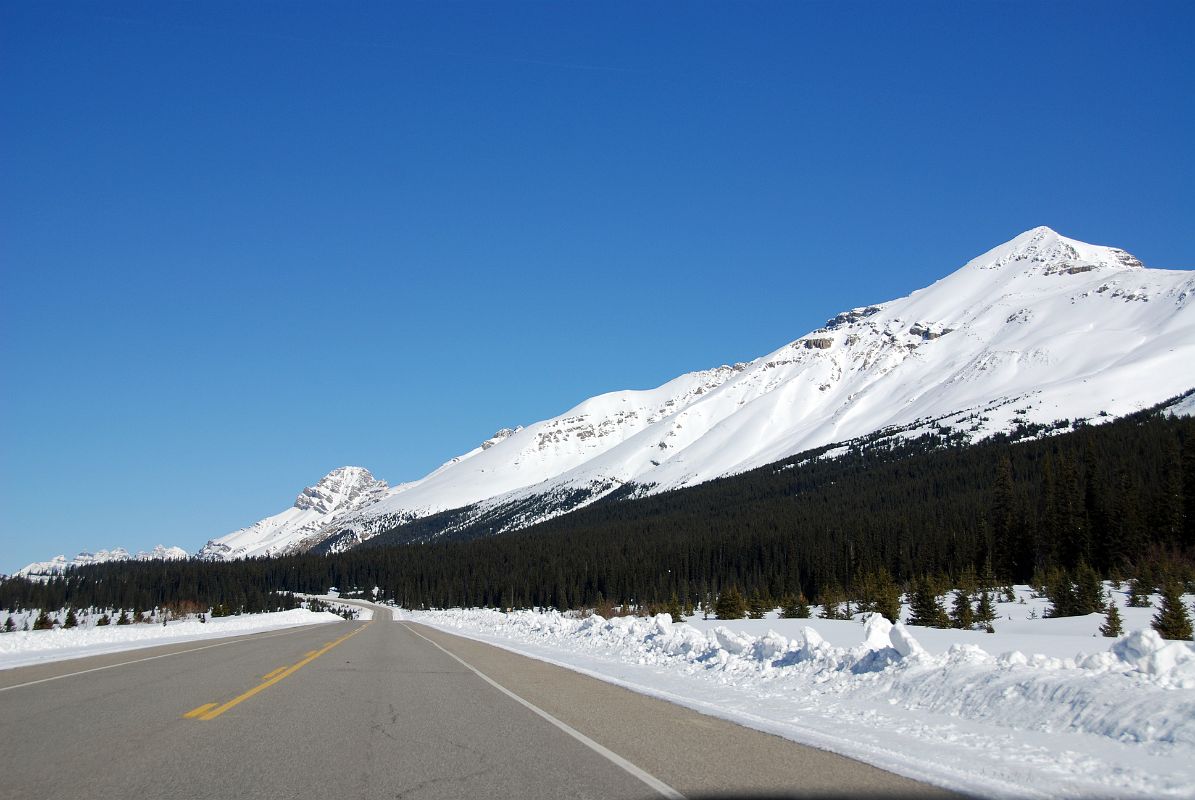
(380, 710)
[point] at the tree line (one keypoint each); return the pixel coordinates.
(1114, 500)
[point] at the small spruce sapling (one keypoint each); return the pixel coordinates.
(757, 607)
(795, 607)
(1172, 620)
(71, 620)
(985, 615)
(1112, 626)
(1061, 593)
(962, 615)
(885, 596)
(731, 604)
(1089, 591)
(673, 607)
(1139, 593)
(832, 600)
(926, 610)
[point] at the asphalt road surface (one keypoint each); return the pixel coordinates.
(380, 710)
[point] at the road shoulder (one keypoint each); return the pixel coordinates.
(699, 755)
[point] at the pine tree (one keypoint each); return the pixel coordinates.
(794, 607)
(831, 600)
(71, 620)
(1168, 508)
(43, 622)
(1070, 529)
(10, 625)
(1140, 589)
(985, 615)
(962, 615)
(968, 580)
(1188, 481)
(124, 618)
(1089, 591)
(926, 609)
(1172, 620)
(1061, 593)
(104, 620)
(877, 592)
(1000, 520)
(1112, 626)
(731, 604)
(757, 606)
(1127, 535)
(887, 602)
(673, 607)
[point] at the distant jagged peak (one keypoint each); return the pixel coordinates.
(500, 436)
(1044, 250)
(60, 564)
(341, 487)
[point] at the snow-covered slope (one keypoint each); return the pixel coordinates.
(341, 490)
(1039, 329)
(59, 564)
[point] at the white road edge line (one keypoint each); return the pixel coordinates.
(652, 781)
(243, 638)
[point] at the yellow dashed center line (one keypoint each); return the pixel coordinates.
(195, 712)
(211, 710)
(270, 674)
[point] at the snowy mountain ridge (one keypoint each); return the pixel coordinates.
(59, 564)
(1039, 329)
(341, 490)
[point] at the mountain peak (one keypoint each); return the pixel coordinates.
(340, 487)
(1043, 250)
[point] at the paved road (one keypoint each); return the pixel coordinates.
(379, 710)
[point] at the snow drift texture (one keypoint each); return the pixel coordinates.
(1038, 329)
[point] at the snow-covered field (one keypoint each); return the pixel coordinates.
(1041, 708)
(21, 648)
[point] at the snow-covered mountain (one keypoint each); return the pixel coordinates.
(347, 489)
(1040, 329)
(59, 564)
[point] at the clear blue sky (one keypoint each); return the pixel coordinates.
(244, 243)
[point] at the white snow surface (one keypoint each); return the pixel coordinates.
(1038, 709)
(22, 648)
(1039, 329)
(59, 564)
